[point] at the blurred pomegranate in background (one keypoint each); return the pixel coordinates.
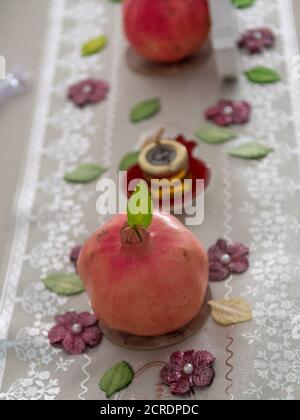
(166, 31)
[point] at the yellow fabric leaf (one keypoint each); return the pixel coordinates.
(230, 311)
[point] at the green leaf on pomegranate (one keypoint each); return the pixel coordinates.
(145, 110)
(129, 160)
(116, 378)
(84, 173)
(215, 135)
(64, 284)
(242, 4)
(262, 75)
(94, 45)
(140, 207)
(250, 151)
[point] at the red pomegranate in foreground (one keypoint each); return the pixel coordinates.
(145, 283)
(166, 31)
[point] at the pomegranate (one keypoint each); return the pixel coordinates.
(166, 31)
(144, 282)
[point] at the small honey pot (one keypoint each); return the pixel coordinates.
(171, 170)
(163, 159)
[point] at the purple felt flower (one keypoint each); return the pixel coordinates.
(88, 91)
(227, 112)
(75, 332)
(225, 259)
(256, 40)
(74, 255)
(187, 370)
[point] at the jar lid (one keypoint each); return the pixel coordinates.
(164, 158)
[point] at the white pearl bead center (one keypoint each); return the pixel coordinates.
(87, 89)
(228, 110)
(188, 369)
(258, 35)
(76, 329)
(226, 259)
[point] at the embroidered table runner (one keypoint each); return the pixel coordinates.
(255, 202)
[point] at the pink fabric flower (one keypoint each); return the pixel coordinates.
(227, 112)
(74, 332)
(89, 91)
(74, 255)
(226, 259)
(187, 370)
(256, 40)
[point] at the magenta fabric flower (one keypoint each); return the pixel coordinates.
(187, 370)
(227, 112)
(75, 332)
(225, 259)
(74, 255)
(88, 91)
(256, 40)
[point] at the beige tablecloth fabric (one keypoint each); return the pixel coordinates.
(58, 216)
(22, 36)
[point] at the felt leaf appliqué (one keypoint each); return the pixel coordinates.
(84, 173)
(94, 46)
(64, 284)
(116, 378)
(215, 135)
(140, 207)
(230, 311)
(129, 160)
(252, 150)
(242, 4)
(262, 75)
(145, 109)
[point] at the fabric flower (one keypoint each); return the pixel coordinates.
(74, 332)
(89, 91)
(187, 370)
(74, 255)
(226, 259)
(256, 40)
(227, 112)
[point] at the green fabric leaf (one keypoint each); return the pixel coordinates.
(94, 46)
(140, 207)
(64, 284)
(129, 160)
(262, 75)
(250, 151)
(84, 173)
(215, 135)
(116, 378)
(145, 109)
(242, 4)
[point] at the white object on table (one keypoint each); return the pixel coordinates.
(224, 37)
(2, 67)
(16, 82)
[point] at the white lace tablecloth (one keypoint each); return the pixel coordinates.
(256, 203)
